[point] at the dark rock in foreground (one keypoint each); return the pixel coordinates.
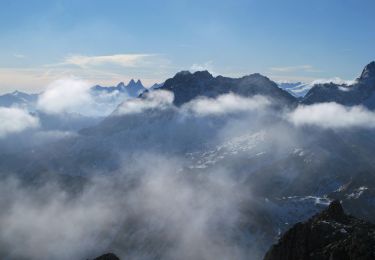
(329, 235)
(108, 256)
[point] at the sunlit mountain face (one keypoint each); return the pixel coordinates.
(180, 130)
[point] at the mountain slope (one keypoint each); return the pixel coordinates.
(329, 235)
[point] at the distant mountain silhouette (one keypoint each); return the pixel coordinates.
(362, 92)
(132, 89)
(19, 99)
(187, 86)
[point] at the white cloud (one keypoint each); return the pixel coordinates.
(160, 99)
(205, 66)
(125, 60)
(34, 79)
(65, 95)
(46, 223)
(14, 120)
(335, 80)
(305, 68)
(19, 56)
(73, 95)
(225, 104)
(332, 115)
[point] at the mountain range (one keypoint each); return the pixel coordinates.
(19, 99)
(29, 101)
(201, 175)
(132, 89)
(187, 86)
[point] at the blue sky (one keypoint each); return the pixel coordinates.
(109, 41)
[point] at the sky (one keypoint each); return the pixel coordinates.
(109, 41)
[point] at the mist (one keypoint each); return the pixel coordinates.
(189, 182)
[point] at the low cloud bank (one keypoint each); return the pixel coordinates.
(159, 99)
(159, 213)
(65, 95)
(332, 115)
(335, 80)
(73, 95)
(173, 203)
(15, 120)
(49, 223)
(201, 106)
(226, 104)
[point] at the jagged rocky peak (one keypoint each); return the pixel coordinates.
(200, 75)
(121, 85)
(131, 82)
(135, 84)
(329, 235)
(257, 78)
(203, 74)
(256, 75)
(368, 72)
(362, 92)
(333, 212)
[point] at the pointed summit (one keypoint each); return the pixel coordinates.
(134, 89)
(334, 210)
(368, 73)
(131, 82)
(120, 85)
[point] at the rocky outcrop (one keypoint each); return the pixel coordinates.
(108, 256)
(329, 235)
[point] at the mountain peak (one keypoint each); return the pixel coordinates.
(334, 211)
(183, 73)
(368, 72)
(203, 74)
(131, 82)
(121, 85)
